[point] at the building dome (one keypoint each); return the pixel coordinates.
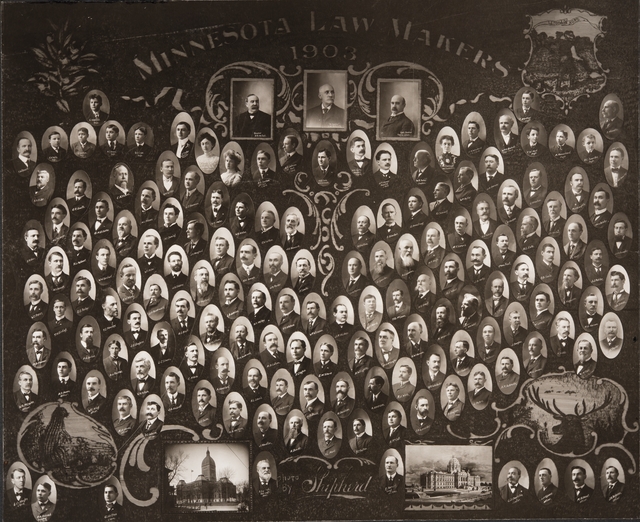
(454, 465)
(208, 467)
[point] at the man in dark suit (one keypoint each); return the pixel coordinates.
(111, 510)
(398, 125)
(169, 184)
(475, 145)
(253, 123)
(360, 165)
(452, 285)
(343, 404)
(170, 230)
(581, 492)
(329, 444)
(248, 271)
(95, 400)
(231, 306)
(463, 362)
(292, 238)
(469, 316)
(241, 222)
(112, 147)
(507, 141)
(537, 361)
(527, 112)
(568, 292)
(562, 343)
(327, 114)
(356, 282)
(376, 398)
(401, 308)
(532, 147)
(489, 348)
(142, 384)
(36, 308)
(83, 148)
(388, 352)
(515, 333)
(561, 150)
(498, 303)
(206, 413)
(265, 436)
(434, 253)
(465, 192)
(611, 343)
(261, 315)
(420, 420)
(116, 367)
(109, 321)
(236, 424)
(361, 361)
(263, 174)
(585, 366)
(79, 203)
(172, 399)
(440, 206)
(594, 268)
(190, 367)
(313, 406)
(38, 354)
(521, 288)
(211, 337)
(18, 496)
(102, 226)
(431, 375)
(31, 251)
(306, 280)
(42, 191)
(459, 239)
(621, 242)
(300, 364)
(453, 409)
(222, 262)
(403, 390)
(125, 422)
(601, 216)
(295, 441)
(78, 254)
(192, 198)
(416, 219)
(384, 176)
(361, 440)
(392, 483)
(324, 172)
(424, 173)
(612, 123)
(547, 270)
(272, 358)
(255, 394)
(444, 328)
(268, 235)
(23, 164)
(509, 211)
(140, 150)
(529, 238)
(291, 160)
(478, 271)
(164, 350)
(263, 484)
(222, 381)
(94, 113)
(491, 180)
(592, 318)
(157, 305)
(325, 368)
(589, 154)
(480, 395)
(183, 147)
(614, 488)
(513, 492)
(543, 316)
(283, 401)
(153, 426)
(394, 433)
(507, 379)
(242, 348)
(125, 242)
(43, 508)
(60, 327)
(415, 345)
(364, 239)
(423, 297)
(24, 396)
(505, 257)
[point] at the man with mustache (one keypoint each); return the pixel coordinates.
(327, 114)
(87, 351)
(253, 123)
(462, 362)
(433, 377)
(513, 492)
(115, 367)
(206, 413)
(398, 125)
(254, 393)
(384, 176)
(153, 425)
(360, 165)
(261, 315)
(521, 288)
(36, 307)
(42, 191)
(423, 297)
(57, 280)
(507, 379)
(581, 492)
(157, 305)
(95, 399)
(621, 242)
(128, 290)
(211, 337)
(125, 422)
(126, 241)
(172, 399)
(79, 255)
(507, 141)
(562, 343)
(122, 189)
(305, 280)
(444, 328)
(136, 338)
(403, 390)
(529, 238)
(492, 178)
(415, 345)
(478, 271)
(585, 366)
(452, 285)
(480, 395)
(343, 404)
(190, 367)
(276, 278)
(515, 333)
(376, 398)
(601, 215)
(222, 381)
(509, 211)
(183, 323)
(295, 441)
(329, 444)
(293, 238)
(537, 361)
(59, 230)
(465, 192)
(38, 354)
(420, 419)
(236, 424)
(381, 273)
(202, 293)
(143, 383)
(364, 239)
(23, 164)
(32, 252)
(505, 257)
(242, 348)
(264, 485)
(315, 325)
(361, 360)
(399, 308)
(176, 279)
(313, 406)
(248, 271)
(283, 401)
(163, 351)
(265, 436)
(406, 262)
(272, 358)
(469, 317)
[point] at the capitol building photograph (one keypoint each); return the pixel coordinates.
(214, 477)
(448, 478)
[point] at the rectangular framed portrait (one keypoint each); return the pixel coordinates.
(398, 108)
(325, 100)
(207, 477)
(252, 108)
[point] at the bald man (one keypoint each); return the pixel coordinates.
(327, 114)
(398, 125)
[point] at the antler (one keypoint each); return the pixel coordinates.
(594, 408)
(534, 395)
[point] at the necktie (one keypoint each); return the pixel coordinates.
(324, 111)
(173, 401)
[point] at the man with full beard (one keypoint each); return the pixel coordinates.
(381, 272)
(406, 263)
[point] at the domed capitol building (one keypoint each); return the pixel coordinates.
(455, 477)
(205, 489)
